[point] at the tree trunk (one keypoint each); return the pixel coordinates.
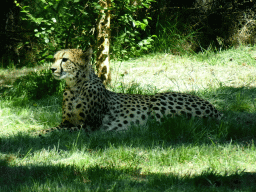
(103, 38)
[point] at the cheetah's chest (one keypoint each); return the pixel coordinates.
(73, 108)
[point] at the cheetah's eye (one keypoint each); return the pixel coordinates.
(64, 59)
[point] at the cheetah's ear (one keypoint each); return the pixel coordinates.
(89, 52)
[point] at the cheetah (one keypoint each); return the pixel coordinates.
(88, 105)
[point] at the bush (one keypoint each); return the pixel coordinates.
(36, 85)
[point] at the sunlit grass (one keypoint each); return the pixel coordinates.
(203, 71)
(15, 115)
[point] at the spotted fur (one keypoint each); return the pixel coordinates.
(89, 105)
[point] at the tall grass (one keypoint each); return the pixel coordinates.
(173, 37)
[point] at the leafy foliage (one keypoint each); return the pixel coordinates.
(137, 27)
(60, 23)
(71, 24)
(129, 37)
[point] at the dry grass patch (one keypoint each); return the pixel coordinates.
(232, 68)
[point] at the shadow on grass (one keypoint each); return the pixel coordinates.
(172, 132)
(234, 99)
(111, 178)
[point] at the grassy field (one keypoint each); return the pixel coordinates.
(178, 155)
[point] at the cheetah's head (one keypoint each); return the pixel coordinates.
(69, 64)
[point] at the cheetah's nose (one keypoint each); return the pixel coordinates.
(53, 69)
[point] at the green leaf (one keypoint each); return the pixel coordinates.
(46, 40)
(49, 57)
(145, 21)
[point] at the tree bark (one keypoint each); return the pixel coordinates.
(103, 42)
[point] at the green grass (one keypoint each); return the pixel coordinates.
(177, 155)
